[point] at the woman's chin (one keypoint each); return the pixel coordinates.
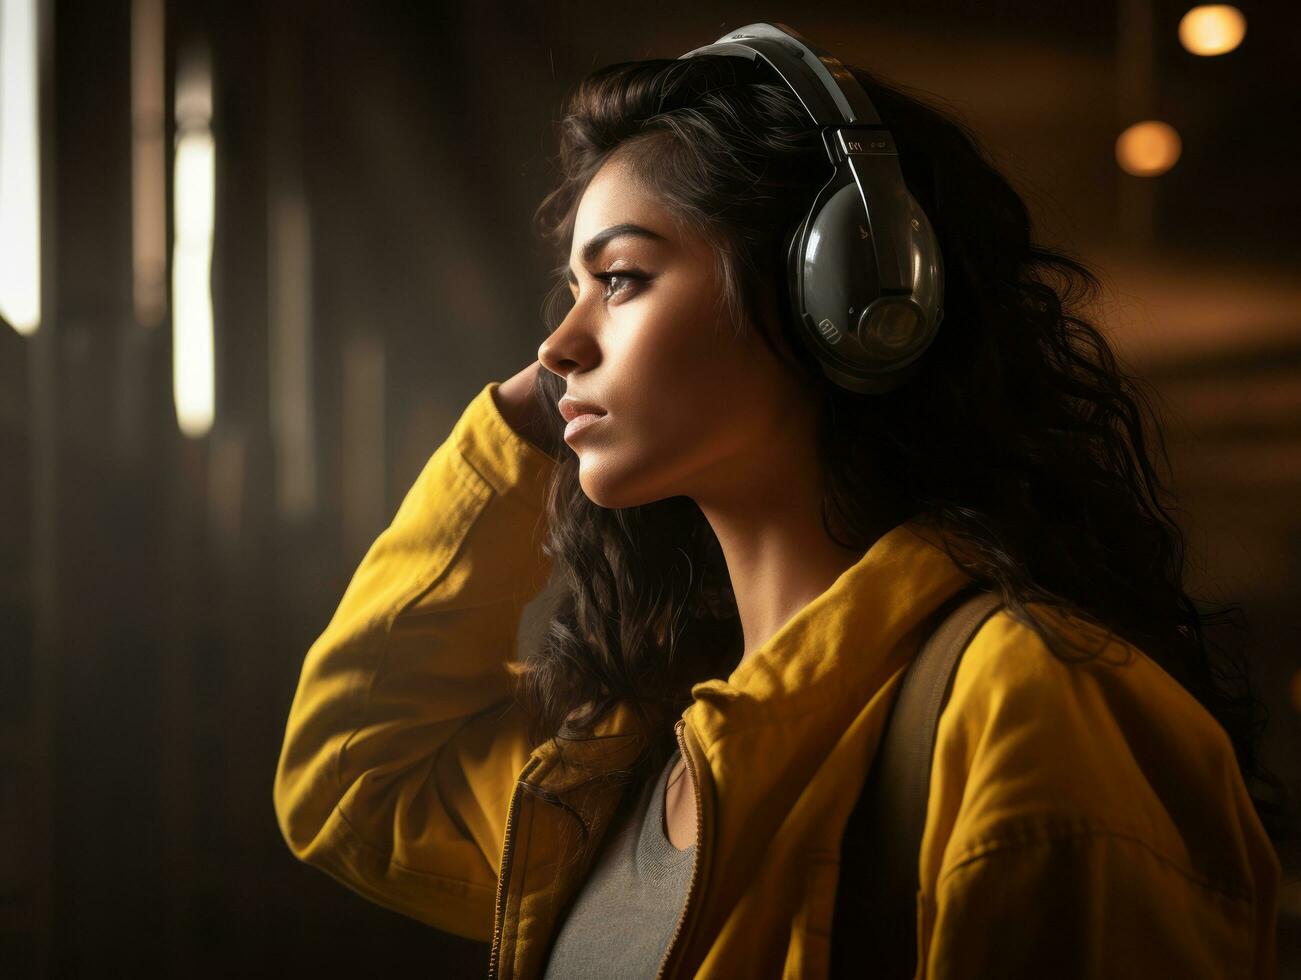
(601, 495)
(611, 494)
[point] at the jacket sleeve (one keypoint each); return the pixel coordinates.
(403, 740)
(1089, 904)
(1089, 822)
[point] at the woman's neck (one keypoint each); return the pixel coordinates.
(769, 525)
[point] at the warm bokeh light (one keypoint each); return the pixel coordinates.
(1148, 149)
(20, 216)
(193, 374)
(293, 394)
(148, 162)
(1212, 28)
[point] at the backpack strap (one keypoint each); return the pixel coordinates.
(875, 924)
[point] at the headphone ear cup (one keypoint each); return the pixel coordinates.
(789, 312)
(791, 265)
(839, 271)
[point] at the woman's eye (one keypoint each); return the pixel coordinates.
(624, 282)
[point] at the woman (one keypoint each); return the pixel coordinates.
(748, 556)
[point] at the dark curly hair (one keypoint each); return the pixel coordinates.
(1020, 439)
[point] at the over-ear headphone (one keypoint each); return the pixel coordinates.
(865, 278)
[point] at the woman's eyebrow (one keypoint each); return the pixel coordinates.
(592, 248)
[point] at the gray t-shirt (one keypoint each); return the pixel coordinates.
(624, 915)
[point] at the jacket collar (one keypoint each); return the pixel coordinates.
(563, 763)
(830, 657)
(815, 673)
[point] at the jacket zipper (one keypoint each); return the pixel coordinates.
(508, 852)
(695, 858)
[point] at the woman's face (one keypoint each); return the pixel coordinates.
(689, 408)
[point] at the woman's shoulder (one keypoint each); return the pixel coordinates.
(1037, 744)
(1072, 678)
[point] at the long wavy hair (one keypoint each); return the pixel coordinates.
(1020, 440)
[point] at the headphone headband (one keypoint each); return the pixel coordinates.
(830, 94)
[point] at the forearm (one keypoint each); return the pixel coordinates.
(416, 648)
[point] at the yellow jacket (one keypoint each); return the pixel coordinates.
(1083, 821)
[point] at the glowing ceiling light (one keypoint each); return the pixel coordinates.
(20, 191)
(1212, 28)
(1148, 149)
(194, 193)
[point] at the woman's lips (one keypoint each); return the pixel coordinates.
(579, 423)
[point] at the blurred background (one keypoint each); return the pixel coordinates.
(255, 258)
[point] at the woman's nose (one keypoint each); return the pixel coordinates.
(571, 346)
